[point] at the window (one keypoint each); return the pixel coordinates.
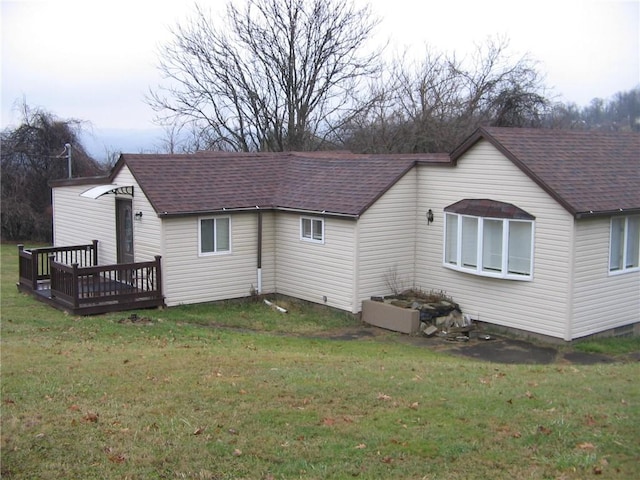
(312, 229)
(624, 250)
(493, 247)
(215, 235)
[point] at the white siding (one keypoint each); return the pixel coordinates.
(268, 252)
(190, 278)
(312, 271)
(78, 220)
(601, 301)
(541, 305)
(387, 240)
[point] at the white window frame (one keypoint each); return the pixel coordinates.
(316, 234)
(216, 250)
(628, 248)
(454, 260)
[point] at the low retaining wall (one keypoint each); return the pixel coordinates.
(390, 317)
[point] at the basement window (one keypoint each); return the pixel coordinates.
(312, 229)
(624, 248)
(489, 238)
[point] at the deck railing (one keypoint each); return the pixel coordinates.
(95, 287)
(34, 262)
(70, 277)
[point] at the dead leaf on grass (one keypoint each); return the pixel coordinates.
(360, 446)
(199, 430)
(544, 430)
(588, 446)
(383, 396)
(237, 452)
(398, 442)
(114, 456)
(91, 417)
(119, 458)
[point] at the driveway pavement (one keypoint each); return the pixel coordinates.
(507, 350)
(497, 349)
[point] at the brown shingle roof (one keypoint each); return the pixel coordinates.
(588, 172)
(332, 182)
(484, 207)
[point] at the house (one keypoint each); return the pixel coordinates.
(535, 230)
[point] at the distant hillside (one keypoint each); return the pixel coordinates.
(100, 143)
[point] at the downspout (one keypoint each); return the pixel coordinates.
(259, 266)
(570, 320)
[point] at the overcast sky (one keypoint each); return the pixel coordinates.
(95, 60)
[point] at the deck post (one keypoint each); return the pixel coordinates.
(158, 277)
(51, 258)
(74, 285)
(34, 268)
(95, 252)
(20, 266)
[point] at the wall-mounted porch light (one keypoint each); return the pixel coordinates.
(138, 215)
(429, 216)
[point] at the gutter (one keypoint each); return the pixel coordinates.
(316, 212)
(253, 209)
(607, 213)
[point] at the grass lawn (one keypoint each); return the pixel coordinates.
(179, 397)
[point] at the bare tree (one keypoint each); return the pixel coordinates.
(30, 159)
(272, 75)
(434, 104)
(619, 113)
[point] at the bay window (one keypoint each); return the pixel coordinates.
(489, 238)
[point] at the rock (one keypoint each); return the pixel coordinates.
(453, 319)
(430, 330)
(401, 303)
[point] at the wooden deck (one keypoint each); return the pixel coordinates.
(69, 279)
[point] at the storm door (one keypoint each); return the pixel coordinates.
(124, 230)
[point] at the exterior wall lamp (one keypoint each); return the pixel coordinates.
(138, 215)
(429, 216)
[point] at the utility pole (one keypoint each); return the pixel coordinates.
(67, 147)
(66, 152)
